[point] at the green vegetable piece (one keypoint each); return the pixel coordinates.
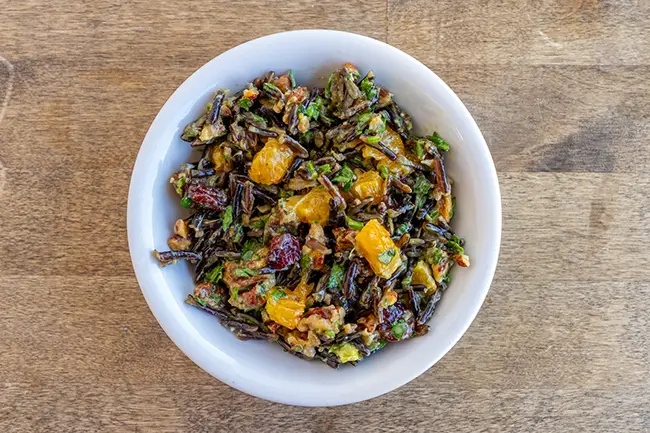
(245, 103)
(419, 149)
(344, 176)
(346, 352)
(387, 256)
(315, 108)
(401, 229)
(200, 300)
(440, 142)
(368, 87)
(215, 274)
(421, 189)
(277, 294)
(328, 92)
(437, 256)
(305, 261)
(186, 202)
(239, 232)
(353, 224)
(453, 208)
(259, 118)
(336, 276)
(325, 168)
(245, 272)
(399, 328)
(432, 217)
(293, 78)
(227, 218)
(179, 185)
(311, 170)
(272, 87)
(454, 246)
(249, 249)
(373, 139)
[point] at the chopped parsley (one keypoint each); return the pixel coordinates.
(249, 249)
(399, 328)
(336, 276)
(245, 272)
(215, 274)
(245, 103)
(387, 256)
(353, 224)
(292, 78)
(227, 218)
(421, 189)
(276, 295)
(440, 142)
(344, 176)
(305, 261)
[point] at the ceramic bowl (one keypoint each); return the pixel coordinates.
(262, 369)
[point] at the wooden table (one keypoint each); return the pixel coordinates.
(561, 90)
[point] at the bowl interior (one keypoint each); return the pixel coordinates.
(263, 369)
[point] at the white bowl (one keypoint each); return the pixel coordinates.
(262, 369)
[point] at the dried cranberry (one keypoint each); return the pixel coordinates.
(207, 196)
(284, 251)
(398, 323)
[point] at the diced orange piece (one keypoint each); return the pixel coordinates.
(285, 311)
(393, 141)
(288, 311)
(314, 207)
(376, 246)
(271, 163)
(369, 184)
(422, 275)
(218, 159)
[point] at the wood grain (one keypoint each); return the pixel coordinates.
(561, 93)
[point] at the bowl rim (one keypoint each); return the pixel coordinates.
(188, 339)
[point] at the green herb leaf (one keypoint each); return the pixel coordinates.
(276, 295)
(200, 300)
(249, 249)
(368, 87)
(311, 170)
(453, 208)
(305, 261)
(336, 276)
(227, 218)
(245, 272)
(383, 171)
(239, 232)
(245, 103)
(328, 92)
(454, 247)
(215, 274)
(437, 256)
(186, 202)
(432, 217)
(258, 223)
(421, 189)
(271, 87)
(401, 229)
(353, 224)
(293, 78)
(419, 149)
(399, 328)
(440, 142)
(372, 139)
(325, 168)
(259, 119)
(387, 256)
(344, 176)
(315, 108)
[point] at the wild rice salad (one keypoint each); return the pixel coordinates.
(318, 221)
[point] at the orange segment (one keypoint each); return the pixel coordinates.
(271, 163)
(314, 208)
(369, 184)
(422, 275)
(376, 246)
